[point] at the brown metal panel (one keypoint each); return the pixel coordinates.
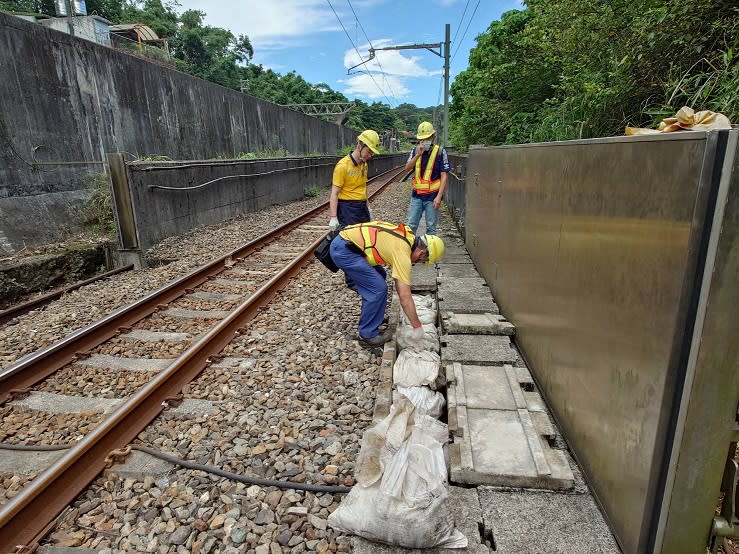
(587, 246)
(708, 423)
(122, 201)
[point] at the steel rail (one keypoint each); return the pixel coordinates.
(27, 517)
(28, 305)
(38, 365)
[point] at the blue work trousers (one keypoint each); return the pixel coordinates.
(421, 206)
(370, 283)
(349, 212)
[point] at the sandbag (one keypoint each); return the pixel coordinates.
(429, 342)
(416, 369)
(400, 495)
(425, 400)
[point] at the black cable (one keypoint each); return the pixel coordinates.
(194, 466)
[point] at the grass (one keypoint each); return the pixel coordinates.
(312, 191)
(95, 214)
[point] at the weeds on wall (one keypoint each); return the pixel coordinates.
(312, 191)
(261, 154)
(95, 214)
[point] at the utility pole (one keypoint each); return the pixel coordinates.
(431, 48)
(70, 24)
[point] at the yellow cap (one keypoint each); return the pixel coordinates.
(370, 139)
(425, 130)
(435, 247)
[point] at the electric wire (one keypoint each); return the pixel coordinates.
(357, 51)
(392, 93)
(466, 29)
(461, 19)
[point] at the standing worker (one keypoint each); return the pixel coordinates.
(429, 179)
(359, 249)
(348, 202)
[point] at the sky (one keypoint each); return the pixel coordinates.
(321, 39)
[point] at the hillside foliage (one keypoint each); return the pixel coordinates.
(560, 70)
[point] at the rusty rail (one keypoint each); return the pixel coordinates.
(36, 366)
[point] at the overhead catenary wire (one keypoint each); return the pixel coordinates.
(466, 29)
(357, 51)
(461, 19)
(392, 93)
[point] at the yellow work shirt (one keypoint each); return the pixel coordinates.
(351, 178)
(394, 250)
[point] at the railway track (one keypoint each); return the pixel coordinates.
(173, 334)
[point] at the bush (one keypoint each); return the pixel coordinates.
(312, 191)
(96, 212)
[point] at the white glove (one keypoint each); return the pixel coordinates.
(333, 224)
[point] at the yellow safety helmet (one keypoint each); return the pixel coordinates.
(425, 130)
(370, 139)
(435, 247)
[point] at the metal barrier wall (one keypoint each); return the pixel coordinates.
(155, 200)
(596, 250)
(456, 191)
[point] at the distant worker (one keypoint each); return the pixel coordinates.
(348, 202)
(429, 179)
(359, 249)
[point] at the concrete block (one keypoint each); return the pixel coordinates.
(476, 324)
(144, 335)
(457, 270)
(423, 278)
(468, 295)
(503, 448)
(21, 462)
(196, 314)
(62, 404)
(477, 349)
(457, 259)
(104, 361)
(138, 465)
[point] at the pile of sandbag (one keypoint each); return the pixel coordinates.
(400, 495)
(417, 369)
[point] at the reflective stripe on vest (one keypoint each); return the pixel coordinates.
(424, 184)
(369, 238)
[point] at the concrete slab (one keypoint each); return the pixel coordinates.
(503, 448)
(216, 296)
(489, 388)
(144, 335)
(466, 296)
(195, 406)
(423, 278)
(536, 521)
(196, 314)
(476, 324)
(53, 403)
(232, 282)
(127, 364)
(235, 363)
(65, 550)
(27, 462)
(452, 271)
(477, 349)
(457, 259)
(464, 505)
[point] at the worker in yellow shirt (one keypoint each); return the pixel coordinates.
(358, 249)
(348, 201)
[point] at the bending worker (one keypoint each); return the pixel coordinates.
(358, 249)
(348, 201)
(429, 179)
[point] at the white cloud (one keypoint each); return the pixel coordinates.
(270, 24)
(375, 87)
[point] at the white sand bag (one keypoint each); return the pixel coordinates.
(400, 495)
(429, 342)
(425, 400)
(416, 369)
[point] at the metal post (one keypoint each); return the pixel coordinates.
(445, 136)
(70, 25)
(122, 204)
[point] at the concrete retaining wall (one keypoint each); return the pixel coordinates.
(67, 102)
(170, 198)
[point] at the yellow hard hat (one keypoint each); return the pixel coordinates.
(370, 139)
(435, 248)
(425, 130)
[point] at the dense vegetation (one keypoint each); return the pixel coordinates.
(556, 70)
(587, 68)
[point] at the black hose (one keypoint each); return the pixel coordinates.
(199, 467)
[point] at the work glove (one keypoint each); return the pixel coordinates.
(333, 224)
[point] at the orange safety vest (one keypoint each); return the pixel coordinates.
(369, 238)
(424, 184)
